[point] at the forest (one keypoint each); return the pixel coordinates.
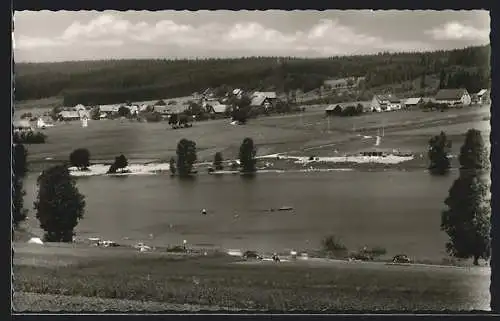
(118, 81)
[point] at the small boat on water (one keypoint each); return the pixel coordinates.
(285, 208)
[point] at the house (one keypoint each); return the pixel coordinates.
(483, 97)
(413, 102)
(67, 115)
(330, 110)
(108, 109)
(260, 101)
(453, 97)
(79, 107)
(218, 109)
(162, 110)
(23, 125)
(133, 109)
(267, 94)
(385, 103)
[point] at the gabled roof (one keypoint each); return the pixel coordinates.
(331, 107)
(69, 114)
(482, 92)
(162, 109)
(413, 101)
(450, 94)
(266, 94)
(23, 124)
(108, 108)
(387, 98)
(219, 109)
(258, 100)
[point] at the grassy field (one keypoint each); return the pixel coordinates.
(109, 138)
(216, 281)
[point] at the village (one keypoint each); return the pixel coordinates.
(211, 104)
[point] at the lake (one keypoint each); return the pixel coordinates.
(398, 210)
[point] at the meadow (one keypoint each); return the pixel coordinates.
(217, 280)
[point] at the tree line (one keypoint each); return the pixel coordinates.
(466, 219)
(117, 81)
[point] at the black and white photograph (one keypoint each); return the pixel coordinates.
(251, 161)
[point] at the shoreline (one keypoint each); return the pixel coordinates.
(273, 163)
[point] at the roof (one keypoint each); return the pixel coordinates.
(162, 109)
(108, 108)
(413, 101)
(79, 107)
(331, 107)
(23, 124)
(389, 98)
(258, 100)
(450, 94)
(482, 92)
(69, 114)
(266, 94)
(219, 108)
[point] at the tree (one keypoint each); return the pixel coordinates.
(173, 120)
(59, 205)
(20, 165)
(422, 81)
(218, 161)
(247, 156)
(473, 153)
(467, 217)
(160, 103)
(123, 111)
(439, 147)
(19, 213)
(80, 158)
(119, 163)
(172, 166)
(95, 113)
(186, 156)
(442, 79)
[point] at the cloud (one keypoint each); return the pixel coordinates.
(458, 31)
(326, 37)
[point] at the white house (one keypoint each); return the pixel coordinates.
(483, 96)
(67, 115)
(385, 103)
(108, 109)
(266, 94)
(412, 102)
(79, 107)
(453, 97)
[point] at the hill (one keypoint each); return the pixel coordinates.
(115, 81)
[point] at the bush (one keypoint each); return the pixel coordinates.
(29, 137)
(218, 161)
(80, 158)
(334, 246)
(119, 163)
(151, 117)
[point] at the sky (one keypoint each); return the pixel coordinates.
(47, 36)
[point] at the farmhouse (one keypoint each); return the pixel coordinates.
(385, 103)
(483, 96)
(23, 125)
(66, 115)
(453, 97)
(413, 102)
(216, 108)
(79, 107)
(108, 109)
(162, 110)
